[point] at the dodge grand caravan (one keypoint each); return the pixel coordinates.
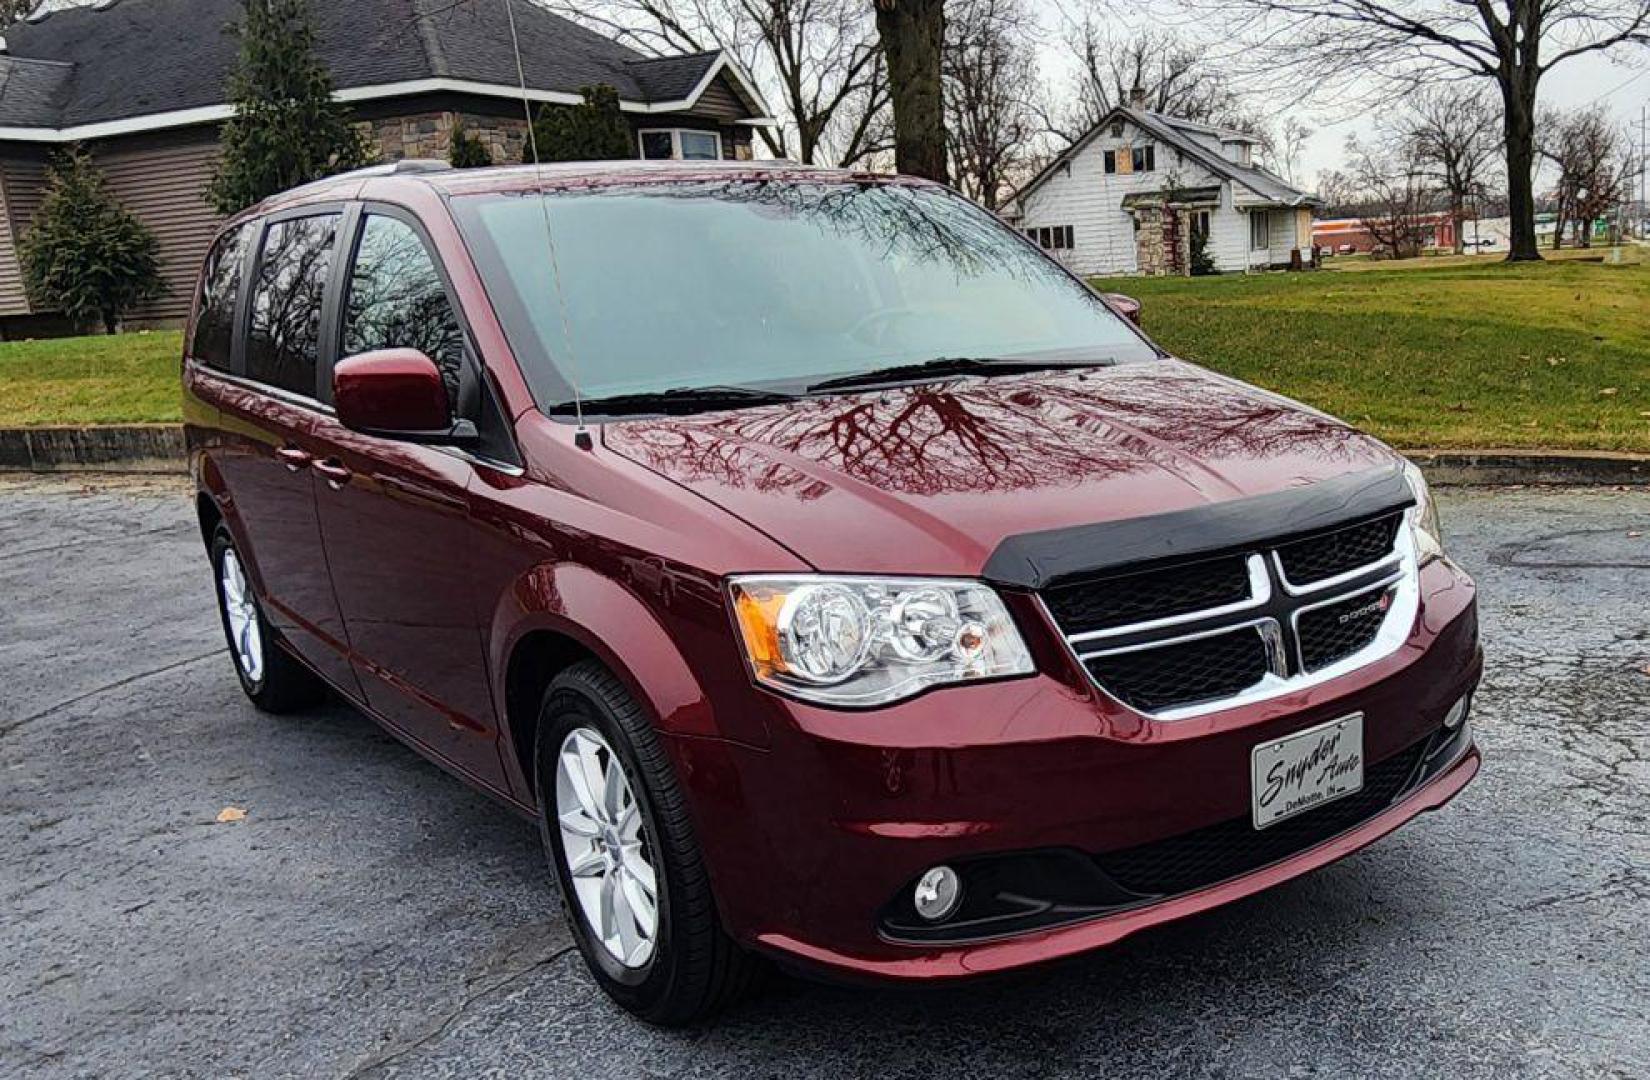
(835, 578)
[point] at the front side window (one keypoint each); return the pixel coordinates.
(681, 144)
(1144, 158)
(770, 285)
(284, 341)
(396, 300)
(220, 288)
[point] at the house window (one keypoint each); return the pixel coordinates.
(1117, 129)
(1200, 223)
(1111, 161)
(1052, 237)
(1260, 230)
(1144, 158)
(681, 144)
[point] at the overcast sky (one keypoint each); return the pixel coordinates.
(1578, 82)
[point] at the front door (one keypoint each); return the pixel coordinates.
(395, 516)
(272, 418)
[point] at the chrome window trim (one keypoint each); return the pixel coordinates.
(287, 397)
(478, 460)
(1394, 631)
(1260, 592)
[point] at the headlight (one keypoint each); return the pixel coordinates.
(1423, 517)
(869, 641)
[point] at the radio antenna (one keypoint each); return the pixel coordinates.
(581, 436)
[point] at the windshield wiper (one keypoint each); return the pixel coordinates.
(941, 366)
(680, 399)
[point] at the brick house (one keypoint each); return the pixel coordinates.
(141, 84)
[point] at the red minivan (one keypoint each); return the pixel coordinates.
(835, 578)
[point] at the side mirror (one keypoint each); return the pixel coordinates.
(1126, 306)
(396, 394)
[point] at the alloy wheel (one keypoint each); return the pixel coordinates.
(605, 847)
(245, 635)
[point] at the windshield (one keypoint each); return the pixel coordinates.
(774, 286)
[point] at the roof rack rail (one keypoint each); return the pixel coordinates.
(405, 167)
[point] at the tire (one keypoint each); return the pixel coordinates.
(692, 969)
(272, 678)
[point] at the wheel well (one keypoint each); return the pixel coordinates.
(538, 658)
(207, 511)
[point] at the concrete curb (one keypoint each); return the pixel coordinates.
(1504, 468)
(134, 448)
(158, 448)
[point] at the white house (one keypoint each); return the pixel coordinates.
(1127, 198)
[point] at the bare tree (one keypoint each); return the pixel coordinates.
(818, 62)
(913, 46)
(1281, 148)
(1511, 43)
(1594, 171)
(990, 75)
(1393, 194)
(1171, 75)
(1451, 131)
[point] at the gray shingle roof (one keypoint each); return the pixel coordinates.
(671, 78)
(31, 88)
(135, 57)
(1268, 185)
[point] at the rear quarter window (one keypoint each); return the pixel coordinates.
(214, 338)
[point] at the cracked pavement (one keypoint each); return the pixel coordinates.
(373, 917)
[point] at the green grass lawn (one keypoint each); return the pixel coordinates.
(1479, 354)
(125, 379)
(1474, 354)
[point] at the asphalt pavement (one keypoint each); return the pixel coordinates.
(372, 916)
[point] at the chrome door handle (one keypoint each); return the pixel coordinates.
(292, 457)
(337, 475)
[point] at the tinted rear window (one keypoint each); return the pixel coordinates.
(284, 342)
(220, 287)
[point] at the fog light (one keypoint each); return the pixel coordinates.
(937, 893)
(1456, 714)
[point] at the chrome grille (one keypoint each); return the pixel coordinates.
(1189, 638)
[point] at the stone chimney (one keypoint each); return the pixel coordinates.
(1137, 97)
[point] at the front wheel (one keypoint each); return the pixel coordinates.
(633, 881)
(272, 679)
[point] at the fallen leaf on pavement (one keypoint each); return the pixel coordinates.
(230, 813)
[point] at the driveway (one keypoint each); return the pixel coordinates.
(371, 916)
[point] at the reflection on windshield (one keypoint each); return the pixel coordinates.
(766, 284)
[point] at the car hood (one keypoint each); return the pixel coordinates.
(929, 479)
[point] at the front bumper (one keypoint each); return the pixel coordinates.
(811, 839)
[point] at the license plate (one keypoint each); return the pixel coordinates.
(1309, 768)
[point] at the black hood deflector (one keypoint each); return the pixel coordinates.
(1037, 560)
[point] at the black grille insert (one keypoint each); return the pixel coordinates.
(1185, 673)
(1328, 554)
(1151, 594)
(1205, 856)
(1336, 631)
